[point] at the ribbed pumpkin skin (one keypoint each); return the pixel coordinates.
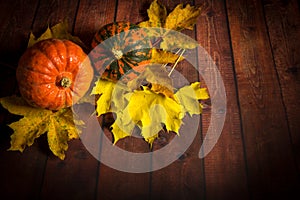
(117, 58)
(47, 71)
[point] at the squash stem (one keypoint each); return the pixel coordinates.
(117, 53)
(65, 82)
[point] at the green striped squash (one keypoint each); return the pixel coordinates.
(122, 54)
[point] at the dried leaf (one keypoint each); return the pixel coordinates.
(118, 132)
(182, 17)
(153, 73)
(173, 40)
(46, 35)
(60, 126)
(108, 90)
(61, 129)
(104, 89)
(151, 110)
(187, 96)
(157, 14)
(148, 108)
(58, 31)
(162, 89)
(164, 57)
(156, 76)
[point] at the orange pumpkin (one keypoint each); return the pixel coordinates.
(54, 74)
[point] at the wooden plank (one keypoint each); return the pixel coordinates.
(271, 167)
(74, 177)
(184, 178)
(128, 185)
(114, 184)
(283, 21)
(225, 171)
(91, 17)
(53, 12)
(21, 173)
(13, 36)
(16, 21)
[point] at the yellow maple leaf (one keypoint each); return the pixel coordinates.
(178, 19)
(182, 17)
(123, 125)
(108, 90)
(156, 76)
(58, 31)
(151, 109)
(148, 109)
(153, 73)
(187, 96)
(157, 14)
(60, 126)
(104, 89)
(164, 57)
(162, 89)
(174, 40)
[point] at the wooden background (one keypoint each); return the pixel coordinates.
(256, 46)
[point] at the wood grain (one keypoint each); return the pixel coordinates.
(91, 17)
(69, 178)
(114, 184)
(255, 45)
(184, 178)
(225, 167)
(75, 177)
(20, 171)
(283, 23)
(13, 36)
(271, 167)
(16, 21)
(21, 174)
(49, 13)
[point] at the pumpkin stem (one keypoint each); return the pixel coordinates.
(65, 82)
